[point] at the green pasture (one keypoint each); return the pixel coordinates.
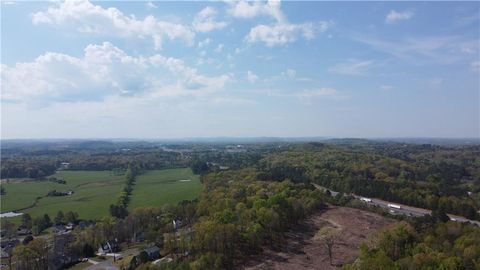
(94, 191)
(157, 187)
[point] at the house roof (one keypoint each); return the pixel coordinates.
(4, 254)
(9, 243)
(152, 249)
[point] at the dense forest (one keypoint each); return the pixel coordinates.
(440, 246)
(248, 213)
(419, 175)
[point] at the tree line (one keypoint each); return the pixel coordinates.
(119, 209)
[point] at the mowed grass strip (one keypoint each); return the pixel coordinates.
(154, 188)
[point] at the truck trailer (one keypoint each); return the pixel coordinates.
(395, 206)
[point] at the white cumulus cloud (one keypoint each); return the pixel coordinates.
(283, 33)
(90, 18)
(204, 43)
(278, 33)
(205, 20)
(104, 70)
(151, 5)
(245, 9)
(290, 73)
(394, 16)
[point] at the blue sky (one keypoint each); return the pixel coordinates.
(200, 69)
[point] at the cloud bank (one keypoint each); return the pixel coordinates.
(94, 19)
(104, 70)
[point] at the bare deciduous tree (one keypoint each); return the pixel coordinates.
(329, 243)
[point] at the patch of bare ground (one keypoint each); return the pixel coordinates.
(336, 230)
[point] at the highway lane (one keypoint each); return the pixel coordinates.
(403, 210)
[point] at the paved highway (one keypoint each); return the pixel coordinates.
(403, 210)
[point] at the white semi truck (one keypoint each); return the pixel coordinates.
(395, 206)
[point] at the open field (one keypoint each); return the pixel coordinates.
(306, 245)
(94, 191)
(22, 194)
(165, 186)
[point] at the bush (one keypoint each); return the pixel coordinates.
(27, 240)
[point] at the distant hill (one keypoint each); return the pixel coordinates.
(115, 142)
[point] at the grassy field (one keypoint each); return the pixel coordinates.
(21, 194)
(165, 186)
(94, 191)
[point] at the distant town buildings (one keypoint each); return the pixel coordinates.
(64, 166)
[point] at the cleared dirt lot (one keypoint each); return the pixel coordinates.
(306, 249)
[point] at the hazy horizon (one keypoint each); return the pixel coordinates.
(237, 138)
(176, 70)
